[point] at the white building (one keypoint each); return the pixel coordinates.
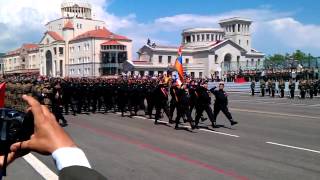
(23, 60)
(76, 45)
(207, 52)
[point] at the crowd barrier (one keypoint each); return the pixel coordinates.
(246, 87)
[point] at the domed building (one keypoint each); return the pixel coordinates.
(76, 45)
(207, 52)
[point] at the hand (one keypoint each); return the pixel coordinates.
(48, 135)
(12, 156)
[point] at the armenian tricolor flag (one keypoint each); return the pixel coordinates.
(178, 64)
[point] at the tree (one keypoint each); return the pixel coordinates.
(299, 56)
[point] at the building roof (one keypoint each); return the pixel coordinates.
(235, 19)
(197, 30)
(68, 25)
(28, 47)
(101, 34)
(111, 42)
(55, 36)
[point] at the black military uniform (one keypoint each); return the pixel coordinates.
(221, 104)
(252, 86)
(262, 87)
(203, 104)
(174, 100)
(183, 101)
(160, 97)
(292, 87)
(273, 88)
(57, 104)
(281, 87)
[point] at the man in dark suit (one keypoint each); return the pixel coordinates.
(50, 139)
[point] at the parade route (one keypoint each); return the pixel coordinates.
(274, 140)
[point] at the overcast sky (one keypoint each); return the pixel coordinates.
(279, 25)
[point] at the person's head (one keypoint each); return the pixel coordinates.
(221, 86)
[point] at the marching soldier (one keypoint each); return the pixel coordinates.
(302, 87)
(57, 104)
(262, 87)
(311, 89)
(160, 97)
(221, 104)
(203, 104)
(253, 86)
(281, 87)
(183, 101)
(273, 88)
(269, 87)
(292, 87)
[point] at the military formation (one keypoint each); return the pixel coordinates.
(305, 88)
(154, 97)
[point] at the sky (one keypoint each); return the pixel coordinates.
(279, 26)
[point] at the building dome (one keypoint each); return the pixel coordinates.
(202, 36)
(76, 8)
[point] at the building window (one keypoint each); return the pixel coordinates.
(79, 48)
(238, 61)
(216, 59)
(187, 60)
(192, 74)
(258, 62)
(61, 50)
(188, 39)
(252, 62)
(247, 42)
(202, 36)
(193, 38)
(200, 74)
(169, 59)
(160, 59)
(198, 38)
(208, 37)
(239, 42)
(55, 50)
(247, 63)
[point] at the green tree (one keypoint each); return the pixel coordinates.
(300, 56)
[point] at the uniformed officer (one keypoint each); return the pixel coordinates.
(302, 87)
(273, 88)
(221, 104)
(262, 87)
(281, 87)
(203, 104)
(253, 86)
(292, 87)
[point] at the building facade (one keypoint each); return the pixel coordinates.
(23, 60)
(207, 52)
(76, 45)
(1, 63)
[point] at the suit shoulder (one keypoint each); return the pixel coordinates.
(80, 173)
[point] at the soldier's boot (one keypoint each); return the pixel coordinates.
(233, 122)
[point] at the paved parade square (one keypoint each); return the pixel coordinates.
(275, 139)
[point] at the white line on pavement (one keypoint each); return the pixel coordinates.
(216, 132)
(206, 130)
(293, 147)
(273, 113)
(41, 168)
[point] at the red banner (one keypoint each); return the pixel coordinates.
(2, 94)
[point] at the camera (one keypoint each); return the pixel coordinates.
(15, 126)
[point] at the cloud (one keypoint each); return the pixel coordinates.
(23, 21)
